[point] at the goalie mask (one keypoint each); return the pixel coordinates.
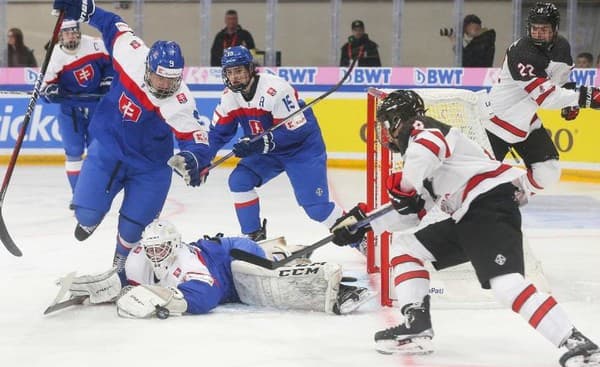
(70, 35)
(543, 14)
(164, 69)
(237, 68)
(394, 117)
(160, 241)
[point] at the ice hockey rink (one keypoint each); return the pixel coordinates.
(562, 225)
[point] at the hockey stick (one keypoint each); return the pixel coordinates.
(70, 302)
(82, 96)
(7, 241)
(65, 284)
(269, 264)
(289, 117)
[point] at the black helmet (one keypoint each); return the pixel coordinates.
(543, 13)
(397, 108)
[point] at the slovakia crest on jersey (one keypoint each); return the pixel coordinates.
(181, 98)
(129, 110)
(271, 91)
(84, 75)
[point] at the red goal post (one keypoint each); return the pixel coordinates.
(466, 110)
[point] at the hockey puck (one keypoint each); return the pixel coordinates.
(162, 312)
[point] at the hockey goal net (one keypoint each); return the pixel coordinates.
(457, 286)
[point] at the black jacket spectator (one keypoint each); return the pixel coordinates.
(19, 55)
(359, 43)
(232, 35)
(479, 52)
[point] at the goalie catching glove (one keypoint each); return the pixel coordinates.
(589, 97)
(405, 203)
(100, 288)
(143, 301)
(342, 233)
(246, 147)
(185, 164)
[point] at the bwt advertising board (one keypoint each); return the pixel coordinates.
(341, 116)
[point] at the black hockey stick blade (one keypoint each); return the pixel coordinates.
(4, 236)
(289, 117)
(269, 264)
(64, 304)
(6, 239)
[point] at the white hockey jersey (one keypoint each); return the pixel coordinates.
(445, 166)
(188, 265)
(530, 78)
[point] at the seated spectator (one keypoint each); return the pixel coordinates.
(584, 60)
(232, 35)
(360, 44)
(478, 43)
(19, 55)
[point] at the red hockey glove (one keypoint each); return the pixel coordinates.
(569, 113)
(589, 97)
(404, 202)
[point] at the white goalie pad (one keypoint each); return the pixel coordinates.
(311, 287)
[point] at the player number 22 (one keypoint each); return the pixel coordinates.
(525, 70)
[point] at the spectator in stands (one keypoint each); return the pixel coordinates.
(478, 43)
(19, 55)
(359, 45)
(584, 60)
(232, 35)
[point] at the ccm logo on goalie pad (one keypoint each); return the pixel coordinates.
(301, 270)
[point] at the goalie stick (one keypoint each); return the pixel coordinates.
(269, 264)
(290, 116)
(82, 96)
(7, 241)
(65, 284)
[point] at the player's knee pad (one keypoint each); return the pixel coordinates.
(320, 212)
(243, 179)
(88, 217)
(544, 174)
(130, 231)
(408, 244)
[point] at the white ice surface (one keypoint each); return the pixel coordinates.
(564, 236)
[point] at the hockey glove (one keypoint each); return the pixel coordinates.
(146, 301)
(569, 113)
(342, 234)
(80, 10)
(404, 202)
(51, 94)
(185, 164)
(245, 147)
(589, 97)
(100, 288)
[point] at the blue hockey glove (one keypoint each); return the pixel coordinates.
(245, 147)
(51, 94)
(80, 10)
(105, 84)
(185, 164)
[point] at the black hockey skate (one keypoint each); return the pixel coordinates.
(413, 336)
(350, 298)
(83, 232)
(260, 234)
(582, 352)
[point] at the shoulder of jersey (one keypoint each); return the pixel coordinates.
(562, 50)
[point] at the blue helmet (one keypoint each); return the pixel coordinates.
(237, 56)
(164, 68)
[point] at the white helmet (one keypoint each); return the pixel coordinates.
(160, 240)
